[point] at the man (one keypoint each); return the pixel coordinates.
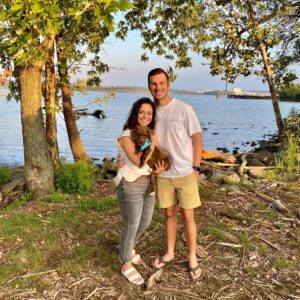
(178, 131)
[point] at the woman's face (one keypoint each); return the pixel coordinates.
(145, 115)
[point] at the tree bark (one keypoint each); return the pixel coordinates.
(50, 104)
(268, 70)
(38, 166)
(278, 117)
(76, 145)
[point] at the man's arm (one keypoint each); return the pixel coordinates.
(197, 149)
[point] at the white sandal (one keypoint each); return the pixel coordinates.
(133, 277)
(136, 259)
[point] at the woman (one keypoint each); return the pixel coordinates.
(133, 193)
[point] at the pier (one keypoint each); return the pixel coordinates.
(248, 95)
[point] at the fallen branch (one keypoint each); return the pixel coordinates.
(243, 164)
(154, 278)
(276, 202)
(79, 281)
(188, 294)
(32, 274)
(7, 188)
(268, 243)
(91, 294)
(231, 245)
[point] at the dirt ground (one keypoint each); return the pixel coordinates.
(247, 249)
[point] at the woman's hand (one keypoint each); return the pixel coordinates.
(160, 167)
(120, 162)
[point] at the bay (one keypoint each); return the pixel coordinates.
(225, 123)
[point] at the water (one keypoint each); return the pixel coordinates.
(225, 123)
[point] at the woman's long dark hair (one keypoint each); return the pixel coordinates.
(133, 114)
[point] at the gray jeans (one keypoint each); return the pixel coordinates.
(137, 206)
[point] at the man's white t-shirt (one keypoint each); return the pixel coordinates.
(176, 122)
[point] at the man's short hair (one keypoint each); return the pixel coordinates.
(156, 72)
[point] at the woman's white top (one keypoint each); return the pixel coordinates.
(130, 171)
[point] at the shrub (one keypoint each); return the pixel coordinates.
(286, 160)
(77, 177)
(5, 175)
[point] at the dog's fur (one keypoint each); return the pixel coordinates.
(139, 135)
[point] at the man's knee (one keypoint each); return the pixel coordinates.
(170, 212)
(188, 215)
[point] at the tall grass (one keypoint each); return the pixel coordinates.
(287, 159)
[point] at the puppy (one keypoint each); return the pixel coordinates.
(141, 136)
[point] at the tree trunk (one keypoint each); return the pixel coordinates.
(50, 104)
(267, 67)
(76, 145)
(279, 121)
(38, 166)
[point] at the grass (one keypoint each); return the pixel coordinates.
(21, 201)
(5, 175)
(34, 239)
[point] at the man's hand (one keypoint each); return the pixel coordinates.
(160, 167)
(120, 162)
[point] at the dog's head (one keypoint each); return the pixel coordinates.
(140, 135)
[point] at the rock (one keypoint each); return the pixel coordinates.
(245, 176)
(232, 178)
(213, 155)
(232, 188)
(217, 178)
(230, 159)
(201, 177)
(255, 162)
(257, 173)
(247, 182)
(266, 157)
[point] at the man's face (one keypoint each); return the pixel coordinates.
(159, 86)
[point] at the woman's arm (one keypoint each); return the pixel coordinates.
(129, 147)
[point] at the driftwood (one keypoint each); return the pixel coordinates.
(219, 164)
(98, 113)
(279, 206)
(15, 183)
(154, 278)
(243, 164)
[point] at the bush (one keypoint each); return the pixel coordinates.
(77, 177)
(287, 159)
(5, 175)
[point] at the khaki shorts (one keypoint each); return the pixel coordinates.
(180, 190)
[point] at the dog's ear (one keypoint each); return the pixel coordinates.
(135, 139)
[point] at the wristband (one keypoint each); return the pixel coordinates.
(196, 168)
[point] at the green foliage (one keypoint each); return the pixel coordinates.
(290, 93)
(98, 205)
(77, 177)
(107, 170)
(287, 159)
(5, 175)
(292, 122)
(227, 33)
(21, 201)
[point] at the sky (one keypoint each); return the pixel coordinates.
(127, 69)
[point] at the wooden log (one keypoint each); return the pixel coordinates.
(7, 188)
(243, 164)
(219, 164)
(279, 206)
